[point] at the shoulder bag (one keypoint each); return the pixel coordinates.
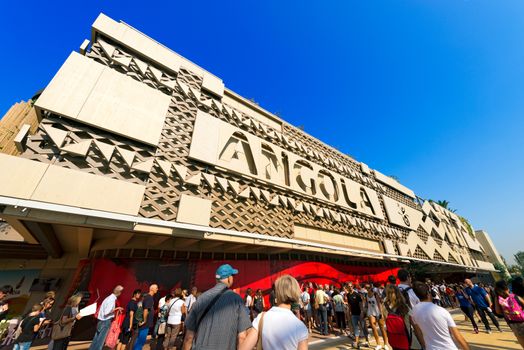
(260, 328)
(60, 330)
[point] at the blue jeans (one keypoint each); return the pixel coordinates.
(22, 346)
(141, 338)
(355, 321)
(322, 311)
(102, 328)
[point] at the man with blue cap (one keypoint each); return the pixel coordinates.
(218, 319)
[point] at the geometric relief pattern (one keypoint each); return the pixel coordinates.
(72, 145)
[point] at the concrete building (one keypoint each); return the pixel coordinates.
(491, 252)
(136, 165)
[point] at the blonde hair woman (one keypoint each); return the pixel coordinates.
(268, 327)
(69, 315)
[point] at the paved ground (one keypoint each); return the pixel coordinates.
(481, 341)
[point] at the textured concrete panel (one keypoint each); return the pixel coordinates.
(75, 188)
(70, 87)
(393, 183)
(194, 210)
(402, 215)
(87, 91)
(19, 177)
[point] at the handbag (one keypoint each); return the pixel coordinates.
(60, 330)
(260, 327)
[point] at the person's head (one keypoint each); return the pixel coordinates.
(249, 291)
(50, 295)
(403, 276)
(396, 300)
(369, 289)
(259, 292)
(74, 300)
(37, 308)
(153, 289)
(320, 286)
(350, 286)
(422, 291)
(287, 290)
(392, 279)
(517, 286)
(168, 297)
(118, 290)
(468, 283)
(4, 291)
(48, 303)
(194, 291)
(137, 293)
(178, 293)
(502, 289)
(225, 273)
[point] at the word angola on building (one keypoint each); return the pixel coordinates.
(136, 165)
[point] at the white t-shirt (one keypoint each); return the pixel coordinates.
(434, 322)
(249, 299)
(175, 311)
(413, 299)
(282, 330)
(305, 298)
(190, 300)
(161, 302)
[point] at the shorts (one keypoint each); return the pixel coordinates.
(517, 328)
(125, 336)
(377, 317)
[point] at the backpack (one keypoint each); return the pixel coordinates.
(433, 292)
(398, 334)
(512, 308)
(405, 294)
(138, 316)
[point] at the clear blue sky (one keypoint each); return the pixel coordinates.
(429, 91)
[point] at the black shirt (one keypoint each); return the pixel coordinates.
(131, 306)
(28, 324)
(355, 300)
(148, 304)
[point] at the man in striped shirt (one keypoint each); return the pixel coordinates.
(218, 319)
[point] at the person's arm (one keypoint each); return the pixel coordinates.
(248, 340)
(488, 299)
(188, 340)
(131, 318)
(418, 332)
(303, 345)
(498, 309)
(184, 309)
(459, 339)
(146, 313)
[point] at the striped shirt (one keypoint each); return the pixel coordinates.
(225, 320)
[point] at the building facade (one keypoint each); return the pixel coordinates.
(137, 164)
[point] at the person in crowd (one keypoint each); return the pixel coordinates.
(29, 327)
(248, 302)
(406, 289)
(321, 299)
(131, 320)
(356, 309)
(278, 328)
(4, 305)
(517, 286)
(450, 292)
(106, 314)
(436, 324)
(161, 323)
(511, 306)
(483, 304)
(339, 306)
(374, 315)
(69, 315)
(259, 304)
(443, 295)
(435, 295)
(466, 306)
(177, 308)
(148, 306)
(272, 297)
(191, 298)
(218, 319)
(402, 333)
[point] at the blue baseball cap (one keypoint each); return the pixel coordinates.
(224, 271)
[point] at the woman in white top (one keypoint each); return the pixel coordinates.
(279, 328)
(248, 300)
(374, 313)
(176, 308)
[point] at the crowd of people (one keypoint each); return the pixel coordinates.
(401, 314)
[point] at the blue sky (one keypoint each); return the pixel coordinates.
(429, 91)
